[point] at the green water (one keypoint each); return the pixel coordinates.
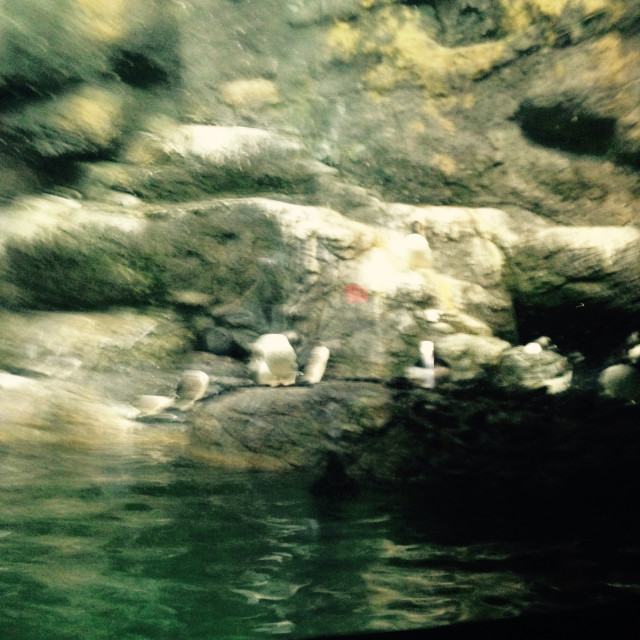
(100, 543)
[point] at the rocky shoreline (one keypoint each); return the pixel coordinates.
(133, 249)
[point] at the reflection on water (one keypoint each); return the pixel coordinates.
(127, 543)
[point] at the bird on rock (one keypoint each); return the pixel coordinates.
(148, 406)
(192, 386)
(274, 361)
(418, 251)
(316, 364)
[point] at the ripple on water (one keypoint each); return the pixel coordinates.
(125, 543)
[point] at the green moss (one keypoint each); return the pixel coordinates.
(205, 251)
(88, 120)
(87, 270)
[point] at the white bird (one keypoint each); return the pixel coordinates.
(429, 364)
(424, 376)
(152, 405)
(262, 373)
(316, 364)
(417, 249)
(426, 354)
(192, 387)
(532, 348)
(274, 361)
(634, 354)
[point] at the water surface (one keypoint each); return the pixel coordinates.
(129, 542)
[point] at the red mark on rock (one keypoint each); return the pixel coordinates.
(355, 293)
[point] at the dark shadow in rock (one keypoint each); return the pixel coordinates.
(137, 70)
(565, 127)
(594, 330)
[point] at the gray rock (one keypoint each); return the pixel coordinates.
(525, 367)
(469, 356)
(581, 274)
(175, 161)
(87, 120)
(94, 350)
(621, 382)
(192, 387)
(219, 341)
(287, 428)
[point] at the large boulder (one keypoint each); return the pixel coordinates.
(243, 267)
(287, 428)
(470, 356)
(533, 367)
(355, 293)
(580, 283)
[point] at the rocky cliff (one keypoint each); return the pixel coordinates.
(180, 178)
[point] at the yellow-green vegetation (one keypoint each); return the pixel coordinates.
(104, 20)
(520, 15)
(615, 68)
(445, 292)
(87, 120)
(250, 92)
(443, 163)
(401, 50)
(92, 113)
(344, 40)
(395, 44)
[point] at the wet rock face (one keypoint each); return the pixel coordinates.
(578, 282)
(524, 453)
(291, 427)
(527, 104)
(74, 77)
(365, 176)
(588, 108)
(477, 103)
